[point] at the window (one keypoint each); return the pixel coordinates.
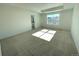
(45, 34)
(53, 19)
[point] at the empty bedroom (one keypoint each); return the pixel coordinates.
(39, 29)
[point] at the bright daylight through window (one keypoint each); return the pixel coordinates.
(45, 34)
(53, 19)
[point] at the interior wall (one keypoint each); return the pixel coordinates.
(65, 19)
(14, 20)
(0, 50)
(75, 26)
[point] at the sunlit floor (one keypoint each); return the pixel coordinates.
(45, 34)
(27, 45)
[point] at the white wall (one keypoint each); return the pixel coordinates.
(0, 50)
(65, 20)
(75, 26)
(14, 20)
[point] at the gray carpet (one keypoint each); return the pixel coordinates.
(25, 44)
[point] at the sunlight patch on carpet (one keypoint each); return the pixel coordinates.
(45, 34)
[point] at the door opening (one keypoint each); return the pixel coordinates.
(32, 22)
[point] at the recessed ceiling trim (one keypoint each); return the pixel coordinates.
(53, 9)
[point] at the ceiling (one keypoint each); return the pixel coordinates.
(37, 7)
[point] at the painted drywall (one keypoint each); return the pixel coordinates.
(0, 50)
(15, 20)
(65, 19)
(75, 26)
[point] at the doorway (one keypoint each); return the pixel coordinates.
(32, 22)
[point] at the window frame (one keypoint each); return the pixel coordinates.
(53, 23)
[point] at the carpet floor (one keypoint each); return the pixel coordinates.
(25, 44)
